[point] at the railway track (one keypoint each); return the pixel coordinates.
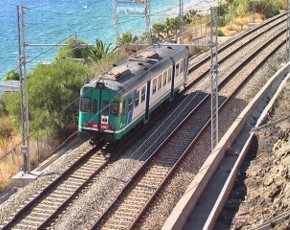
(153, 167)
(43, 208)
(128, 208)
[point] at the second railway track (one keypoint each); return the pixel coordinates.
(164, 164)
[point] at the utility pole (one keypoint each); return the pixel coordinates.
(116, 20)
(214, 77)
(288, 30)
(254, 11)
(181, 20)
(23, 83)
(23, 89)
(147, 19)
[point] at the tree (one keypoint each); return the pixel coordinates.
(269, 8)
(158, 29)
(12, 75)
(167, 27)
(77, 49)
(187, 18)
(53, 97)
(175, 25)
(127, 38)
(100, 50)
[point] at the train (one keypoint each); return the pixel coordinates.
(125, 95)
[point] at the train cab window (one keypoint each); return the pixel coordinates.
(159, 81)
(114, 108)
(130, 103)
(105, 108)
(95, 106)
(169, 75)
(154, 88)
(181, 67)
(137, 92)
(177, 70)
(85, 104)
(143, 91)
(164, 78)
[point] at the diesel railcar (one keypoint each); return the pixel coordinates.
(125, 95)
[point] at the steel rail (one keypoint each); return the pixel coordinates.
(230, 44)
(139, 217)
(48, 189)
(68, 170)
(149, 159)
(224, 194)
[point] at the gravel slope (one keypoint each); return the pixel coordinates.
(262, 190)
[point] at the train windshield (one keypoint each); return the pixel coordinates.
(85, 105)
(114, 108)
(105, 108)
(95, 106)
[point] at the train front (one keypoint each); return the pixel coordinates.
(100, 110)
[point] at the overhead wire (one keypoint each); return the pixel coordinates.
(60, 43)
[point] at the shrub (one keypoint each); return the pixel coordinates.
(269, 8)
(53, 97)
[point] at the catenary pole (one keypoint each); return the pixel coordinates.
(214, 77)
(23, 88)
(181, 20)
(116, 20)
(288, 30)
(147, 21)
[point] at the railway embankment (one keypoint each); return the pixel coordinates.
(263, 179)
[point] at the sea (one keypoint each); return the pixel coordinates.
(54, 21)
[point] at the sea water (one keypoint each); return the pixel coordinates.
(54, 21)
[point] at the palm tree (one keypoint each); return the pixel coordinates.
(100, 50)
(168, 27)
(157, 30)
(175, 25)
(127, 38)
(77, 49)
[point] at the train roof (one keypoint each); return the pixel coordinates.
(128, 74)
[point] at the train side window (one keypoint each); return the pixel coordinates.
(164, 78)
(159, 81)
(95, 106)
(169, 74)
(85, 104)
(177, 70)
(154, 86)
(130, 103)
(143, 91)
(122, 108)
(114, 108)
(137, 92)
(105, 108)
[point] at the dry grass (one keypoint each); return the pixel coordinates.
(9, 166)
(10, 151)
(240, 24)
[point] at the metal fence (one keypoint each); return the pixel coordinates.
(12, 161)
(199, 35)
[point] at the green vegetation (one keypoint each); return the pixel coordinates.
(54, 88)
(79, 50)
(13, 75)
(231, 10)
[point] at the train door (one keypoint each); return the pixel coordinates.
(172, 74)
(105, 98)
(147, 95)
(122, 110)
